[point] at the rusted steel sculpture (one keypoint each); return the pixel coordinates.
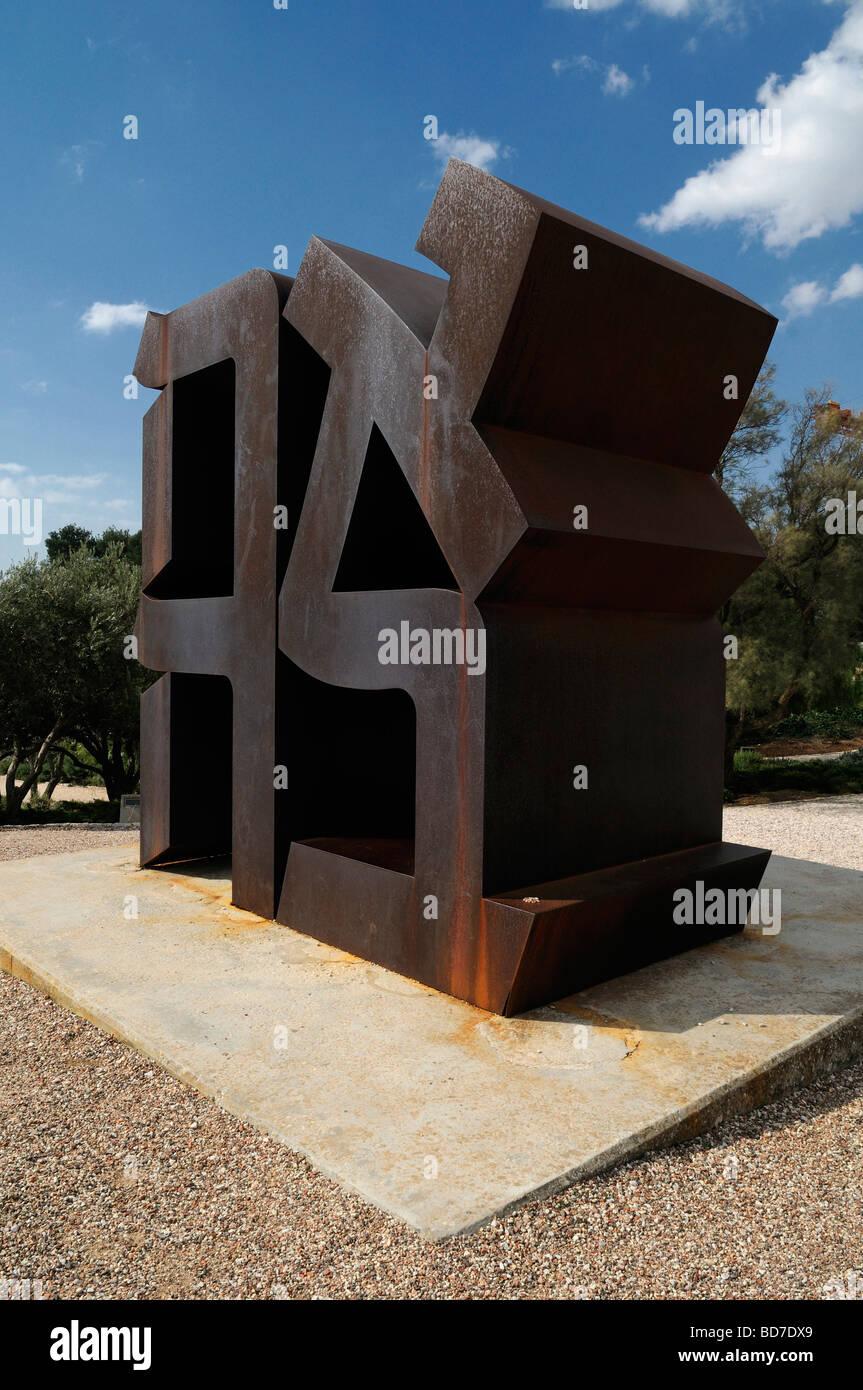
(433, 568)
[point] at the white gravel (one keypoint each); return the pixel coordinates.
(22, 842)
(828, 829)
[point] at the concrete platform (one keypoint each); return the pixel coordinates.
(437, 1112)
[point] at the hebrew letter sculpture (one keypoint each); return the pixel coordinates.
(498, 690)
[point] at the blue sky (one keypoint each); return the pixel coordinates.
(259, 127)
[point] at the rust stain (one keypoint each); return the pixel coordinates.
(630, 1035)
(218, 893)
(465, 944)
(424, 478)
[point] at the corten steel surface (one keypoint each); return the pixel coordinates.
(215, 467)
(418, 784)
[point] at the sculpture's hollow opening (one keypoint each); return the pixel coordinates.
(389, 543)
(201, 758)
(352, 774)
(201, 486)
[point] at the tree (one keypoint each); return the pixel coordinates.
(100, 594)
(797, 617)
(64, 672)
(129, 544)
(757, 432)
(63, 543)
(35, 651)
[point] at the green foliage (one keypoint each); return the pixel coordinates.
(129, 544)
(63, 544)
(756, 433)
(798, 617)
(747, 760)
(754, 776)
(77, 769)
(67, 692)
(42, 813)
(828, 723)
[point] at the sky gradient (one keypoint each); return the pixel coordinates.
(258, 127)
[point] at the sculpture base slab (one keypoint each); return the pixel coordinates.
(381, 1075)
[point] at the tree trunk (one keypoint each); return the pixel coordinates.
(120, 779)
(15, 794)
(14, 764)
(54, 779)
(785, 698)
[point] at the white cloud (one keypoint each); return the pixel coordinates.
(617, 82)
(592, 4)
(849, 285)
(582, 61)
(469, 148)
(813, 181)
(803, 298)
(104, 318)
(73, 159)
(671, 9)
(75, 482)
(681, 9)
(61, 489)
(34, 388)
(65, 497)
(53, 487)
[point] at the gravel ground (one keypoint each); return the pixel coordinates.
(48, 839)
(160, 1194)
(828, 829)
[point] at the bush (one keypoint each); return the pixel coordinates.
(832, 723)
(104, 812)
(747, 760)
(756, 776)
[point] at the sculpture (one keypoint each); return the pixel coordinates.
(432, 567)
